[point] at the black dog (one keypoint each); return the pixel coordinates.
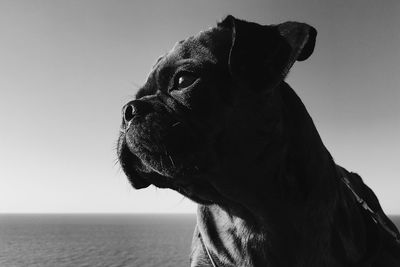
(216, 122)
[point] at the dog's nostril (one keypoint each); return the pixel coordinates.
(136, 107)
(129, 113)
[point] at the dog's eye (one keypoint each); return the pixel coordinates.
(185, 80)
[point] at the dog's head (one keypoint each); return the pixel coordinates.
(208, 114)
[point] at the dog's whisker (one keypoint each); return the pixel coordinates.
(169, 156)
(161, 163)
(173, 164)
(135, 84)
(183, 197)
(116, 162)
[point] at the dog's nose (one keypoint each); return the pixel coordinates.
(134, 108)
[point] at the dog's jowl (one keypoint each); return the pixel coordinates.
(216, 122)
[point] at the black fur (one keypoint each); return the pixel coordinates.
(239, 141)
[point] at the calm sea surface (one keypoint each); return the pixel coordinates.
(97, 240)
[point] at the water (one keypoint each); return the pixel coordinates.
(97, 240)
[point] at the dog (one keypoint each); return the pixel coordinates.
(216, 122)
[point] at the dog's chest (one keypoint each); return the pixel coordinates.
(226, 241)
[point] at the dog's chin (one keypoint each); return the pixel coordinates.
(144, 170)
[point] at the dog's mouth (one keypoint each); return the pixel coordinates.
(142, 176)
(168, 157)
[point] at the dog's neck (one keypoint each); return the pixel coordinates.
(276, 222)
(309, 166)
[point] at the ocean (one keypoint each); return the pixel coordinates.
(97, 240)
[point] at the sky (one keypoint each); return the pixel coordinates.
(67, 68)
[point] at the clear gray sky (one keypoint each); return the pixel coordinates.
(67, 67)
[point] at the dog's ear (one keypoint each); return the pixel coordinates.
(264, 54)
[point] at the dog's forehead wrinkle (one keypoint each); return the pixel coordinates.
(177, 44)
(149, 88)
(158, 60)
(201, 47)
(196, 47)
